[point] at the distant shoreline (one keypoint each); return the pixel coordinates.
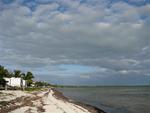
(74, 86)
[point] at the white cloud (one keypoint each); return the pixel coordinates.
(83, 34)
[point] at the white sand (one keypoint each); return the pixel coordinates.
(59, 106)
(48, 102)
(25, 109)
(10, 95)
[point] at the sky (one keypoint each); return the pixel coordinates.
(77, 42)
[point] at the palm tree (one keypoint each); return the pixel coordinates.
(28, 77)
(3, 72)
(23, 76)
(17, 73)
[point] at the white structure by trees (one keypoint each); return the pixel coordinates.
(15, 82)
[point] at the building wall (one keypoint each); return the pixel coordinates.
(24, 83)
(15, 82)
(8, 81)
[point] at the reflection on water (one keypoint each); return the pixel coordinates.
(113, 99)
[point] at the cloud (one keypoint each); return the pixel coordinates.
(114, 40)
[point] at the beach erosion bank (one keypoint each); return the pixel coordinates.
(46, 101)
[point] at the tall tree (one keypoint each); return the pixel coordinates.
(28, 77)
(17, 73)
(3, 73)
(23, 75)
(11, 74)
(2, 81)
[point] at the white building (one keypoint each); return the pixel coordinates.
(18, 82)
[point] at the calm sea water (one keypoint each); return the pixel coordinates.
(113, 99)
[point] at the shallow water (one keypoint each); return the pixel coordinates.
(113, 99)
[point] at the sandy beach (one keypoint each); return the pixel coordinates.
(46, 101)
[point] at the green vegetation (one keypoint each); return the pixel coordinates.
(30, 89)
(3, 73)
(42, 84)
(2, 81)
(16, 73)
(32, 86)
(28, 77)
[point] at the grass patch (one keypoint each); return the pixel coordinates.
(29, 89)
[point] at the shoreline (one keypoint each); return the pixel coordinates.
(90, 108)
(44, 101)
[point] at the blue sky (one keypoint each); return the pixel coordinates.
(77, 42)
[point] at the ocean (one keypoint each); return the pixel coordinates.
(112, 99)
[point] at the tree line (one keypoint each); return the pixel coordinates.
(16, 73)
